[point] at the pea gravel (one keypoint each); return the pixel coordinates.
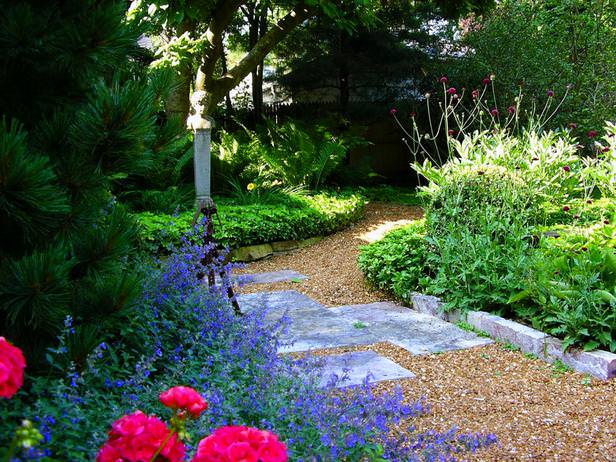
(538, 412)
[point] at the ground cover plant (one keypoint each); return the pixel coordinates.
(518, 221)
(187, 335)
(285, 217)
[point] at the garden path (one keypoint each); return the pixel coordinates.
(539, 412)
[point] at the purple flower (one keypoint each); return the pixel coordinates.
(451, 91)
(550, 93)
(566, 168)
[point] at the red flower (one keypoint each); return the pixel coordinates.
(185, 399)
(241, 444)
(589, 201)
(566, 168)
(572, 125)
(592, 134)
(136, 438)
(511, 109)
(566, 208)
(494, 112)
(451, 132)
(607, 222)
(393, 111)
(475, 94)
(451, 91)
(12, 365)
(443, 79)
(550, 93)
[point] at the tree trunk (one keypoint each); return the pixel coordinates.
(178, 102)
(343, 73)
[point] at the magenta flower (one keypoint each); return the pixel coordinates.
(566, 168)
(393, 111)
(475, 94)
(550, 93)
(511, 109)
(486, 81)
(451, 91)
(444, 79)
(592, 134)
(494, 112)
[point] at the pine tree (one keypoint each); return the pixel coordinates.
(75, 122)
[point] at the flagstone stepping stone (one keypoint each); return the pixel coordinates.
(356, 366)
(312, 326)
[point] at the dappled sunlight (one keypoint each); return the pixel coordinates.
(379, 230)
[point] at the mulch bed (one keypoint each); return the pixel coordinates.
(538, 412)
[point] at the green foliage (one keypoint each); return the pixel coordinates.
(549, 45)
(241, 225)
(90, 122)
(397, 263)
(289, 155)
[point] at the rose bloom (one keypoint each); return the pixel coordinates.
(12, 365)
(185, 399)
(136, 438)
(241, 444)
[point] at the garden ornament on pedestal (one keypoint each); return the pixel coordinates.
(202, 125)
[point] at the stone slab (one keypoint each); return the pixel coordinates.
(269, 277)
(356, 366)
(418, 333)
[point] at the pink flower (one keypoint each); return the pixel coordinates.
(572, 125)
(494, 112)
(451, 91)
(511, 109)
(393, 111)
(443, 79)
(566, 168)
(550, 93)
(12, 365)
(475, 94)
(241, 444)
(451, 132)
(136, 438)
(592, 134)
(184, 399)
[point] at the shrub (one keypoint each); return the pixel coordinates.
(518, 225)
(242, 225)
(397, 263)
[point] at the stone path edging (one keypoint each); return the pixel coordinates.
(599, 363)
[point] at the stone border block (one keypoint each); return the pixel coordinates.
(433, 306)
(599, 363)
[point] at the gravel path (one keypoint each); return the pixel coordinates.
(538, 412)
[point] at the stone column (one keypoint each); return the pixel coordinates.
(202, 128)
